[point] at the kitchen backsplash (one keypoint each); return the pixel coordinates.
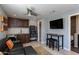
(18, 30)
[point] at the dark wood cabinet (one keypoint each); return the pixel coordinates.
(24, 38)
(19, 23)
(24, 23)
(15, 22)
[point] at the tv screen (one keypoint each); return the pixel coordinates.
(56, 24)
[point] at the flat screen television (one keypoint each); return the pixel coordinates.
(56, 24)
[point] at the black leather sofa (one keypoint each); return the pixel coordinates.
(18, 49)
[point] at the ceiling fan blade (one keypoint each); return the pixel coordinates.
(33, 13)
(28, 11)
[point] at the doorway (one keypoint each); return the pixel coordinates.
(75, 33)
(40, 31)
(73, 30)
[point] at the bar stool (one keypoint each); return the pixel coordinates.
(52, 42)
(55, 41)
(49, 42)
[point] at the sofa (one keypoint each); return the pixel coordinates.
(18, 48)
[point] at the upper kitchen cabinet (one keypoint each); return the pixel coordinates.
(15, 22)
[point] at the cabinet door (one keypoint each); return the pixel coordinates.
(19, 37)
(24, 38)
(15, 22)
(24, 23)
(27, 38)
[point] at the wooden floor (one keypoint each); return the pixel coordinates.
(42, 49)
(39, 49)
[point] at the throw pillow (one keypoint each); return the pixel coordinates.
(9, 43)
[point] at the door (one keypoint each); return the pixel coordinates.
(40, 31)
(73, 29)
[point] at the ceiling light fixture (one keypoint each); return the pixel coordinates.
(29, 14)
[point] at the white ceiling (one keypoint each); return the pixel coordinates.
(42, 9)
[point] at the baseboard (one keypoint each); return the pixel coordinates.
(34, 40)
(43, 42)
(66, 49)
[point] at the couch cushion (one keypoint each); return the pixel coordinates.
(3, 45)
(17, 51)
(29, 50)
(12, 38)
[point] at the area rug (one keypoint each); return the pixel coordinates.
(38, 48)
(41, 51)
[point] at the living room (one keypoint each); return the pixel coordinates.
(20, 19)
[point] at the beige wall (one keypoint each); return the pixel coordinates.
(18, 30)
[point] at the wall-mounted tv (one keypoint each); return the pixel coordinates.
(56, 24)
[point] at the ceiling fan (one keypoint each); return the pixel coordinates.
(31, 12)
